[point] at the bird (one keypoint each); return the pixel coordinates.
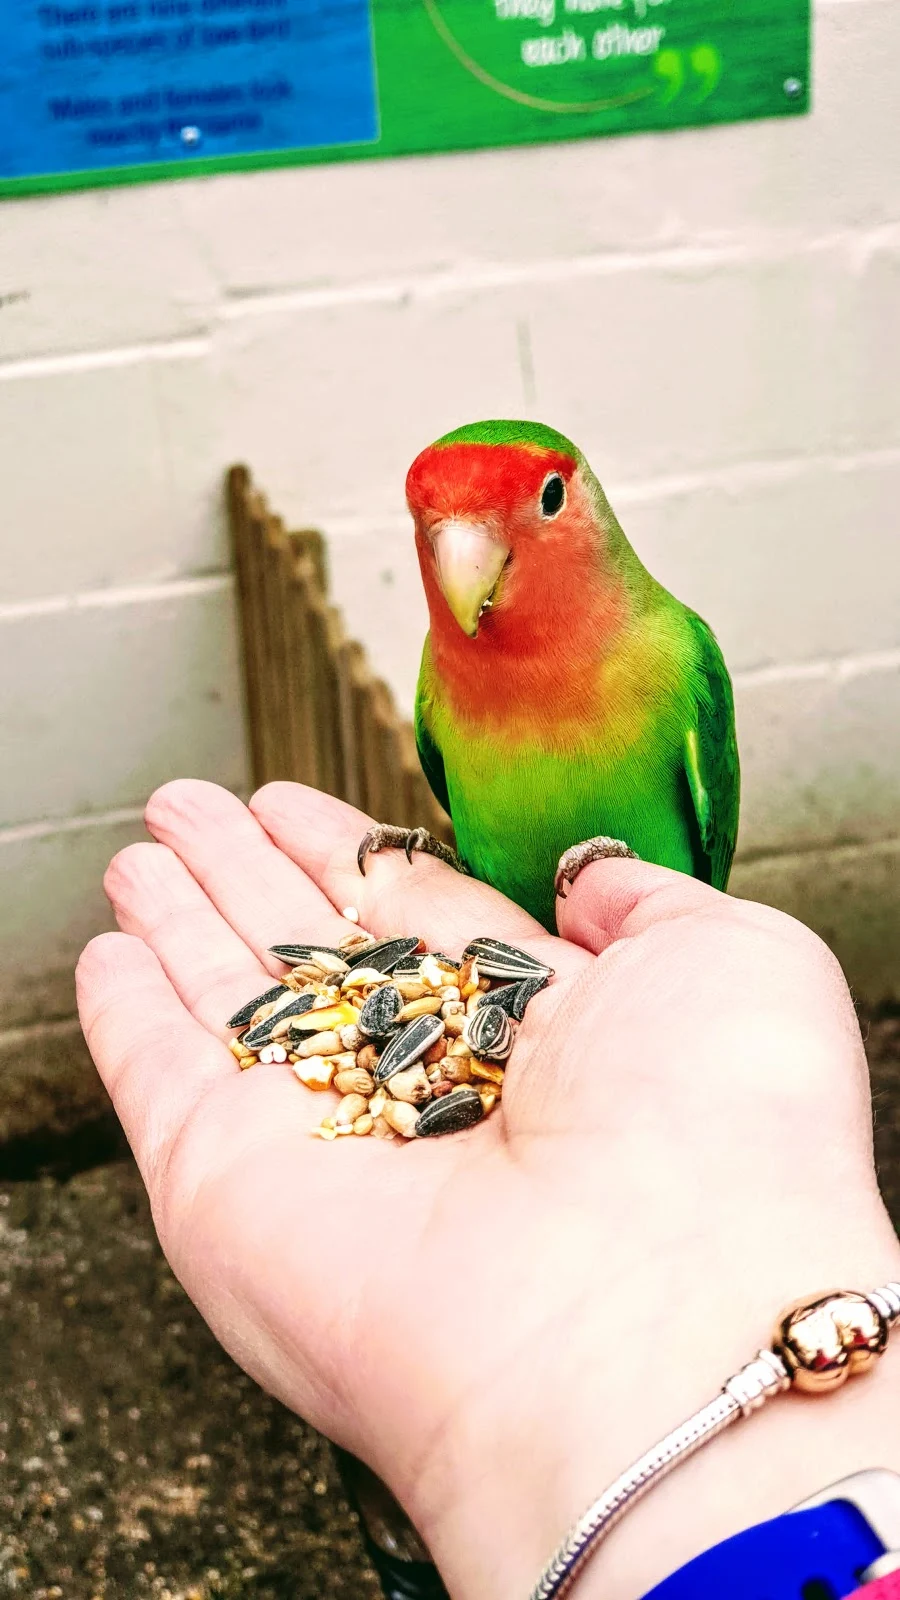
(568, 708)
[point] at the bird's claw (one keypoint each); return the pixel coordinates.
(385, 836)
(580, 856)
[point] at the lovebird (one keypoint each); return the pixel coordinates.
(568, 706)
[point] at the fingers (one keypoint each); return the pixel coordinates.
(264, 897)
(616, 899)
(156, 1060)
(210, 967)
(426, 897)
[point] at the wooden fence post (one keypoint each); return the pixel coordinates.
(316, 712)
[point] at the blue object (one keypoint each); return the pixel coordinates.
(97, 84)
(818, 1554)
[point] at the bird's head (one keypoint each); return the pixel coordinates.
(504, 512)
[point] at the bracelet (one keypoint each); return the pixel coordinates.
(818, 1343)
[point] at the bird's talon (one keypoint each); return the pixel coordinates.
(385, 836)
(580, 856)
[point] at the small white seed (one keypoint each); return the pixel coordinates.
(401, 1117)
(365, 978)
(351, 913)
(411, 988)
(450, 991)
(453, 1008)
(431, 973)
(354, 1081)
(331, 966)
(429, 1006)
(320, 1044)
(344, 1060)
(351, 1108)
(411, 1085)
(351, 1038)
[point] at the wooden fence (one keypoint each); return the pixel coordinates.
(317, 713)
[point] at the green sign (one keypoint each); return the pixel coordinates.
(117, 91)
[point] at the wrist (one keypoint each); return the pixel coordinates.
(574, 1411)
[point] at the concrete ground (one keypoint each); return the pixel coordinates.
(135, 1458)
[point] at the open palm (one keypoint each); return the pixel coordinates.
(432, 1304)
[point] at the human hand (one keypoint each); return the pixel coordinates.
(499, 1322)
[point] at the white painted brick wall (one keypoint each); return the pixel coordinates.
(714, 315)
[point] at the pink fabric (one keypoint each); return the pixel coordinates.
(882, 1589)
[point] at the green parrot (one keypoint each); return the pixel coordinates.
(568, 706)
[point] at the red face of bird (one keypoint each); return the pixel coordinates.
(498, 525)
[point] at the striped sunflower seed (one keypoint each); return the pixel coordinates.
(452, 1113)
(408, 1046)
(489, 1034)
(245, 1012)
(498, 960)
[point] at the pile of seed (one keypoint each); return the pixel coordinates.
(413, 1042)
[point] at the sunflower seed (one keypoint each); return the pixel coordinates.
(380, 1012)
(450, 1114)
(246, 1012)
(408, 1046)
(505, 998)
(292, 953)
(384, 955)
(514, 997)
(407, 967)
(262, 1033)
(527, 990)
(498, 960)
(489, 1034)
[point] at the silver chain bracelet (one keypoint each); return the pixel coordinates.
(818, 1343)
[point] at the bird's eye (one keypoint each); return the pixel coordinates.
(553, 495)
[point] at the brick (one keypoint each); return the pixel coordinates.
(302, 228)
(111, 698)
(690, 362)
(330, 405)
(110, 474)
(668, 368)
(849, 897)
(870, 396)
(788, 564)
(820, 756)
(99, 268)
(53, 903)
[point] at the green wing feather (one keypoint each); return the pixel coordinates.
(429, 754)
(711, 759)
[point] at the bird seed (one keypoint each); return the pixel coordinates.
(415, 1043)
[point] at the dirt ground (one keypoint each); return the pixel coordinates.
(135, 1458)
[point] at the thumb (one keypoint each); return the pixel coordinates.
(618, 898)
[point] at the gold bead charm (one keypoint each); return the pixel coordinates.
(827, 1339)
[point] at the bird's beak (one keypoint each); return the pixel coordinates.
(469, 563)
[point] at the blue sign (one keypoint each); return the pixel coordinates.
(101, 84)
